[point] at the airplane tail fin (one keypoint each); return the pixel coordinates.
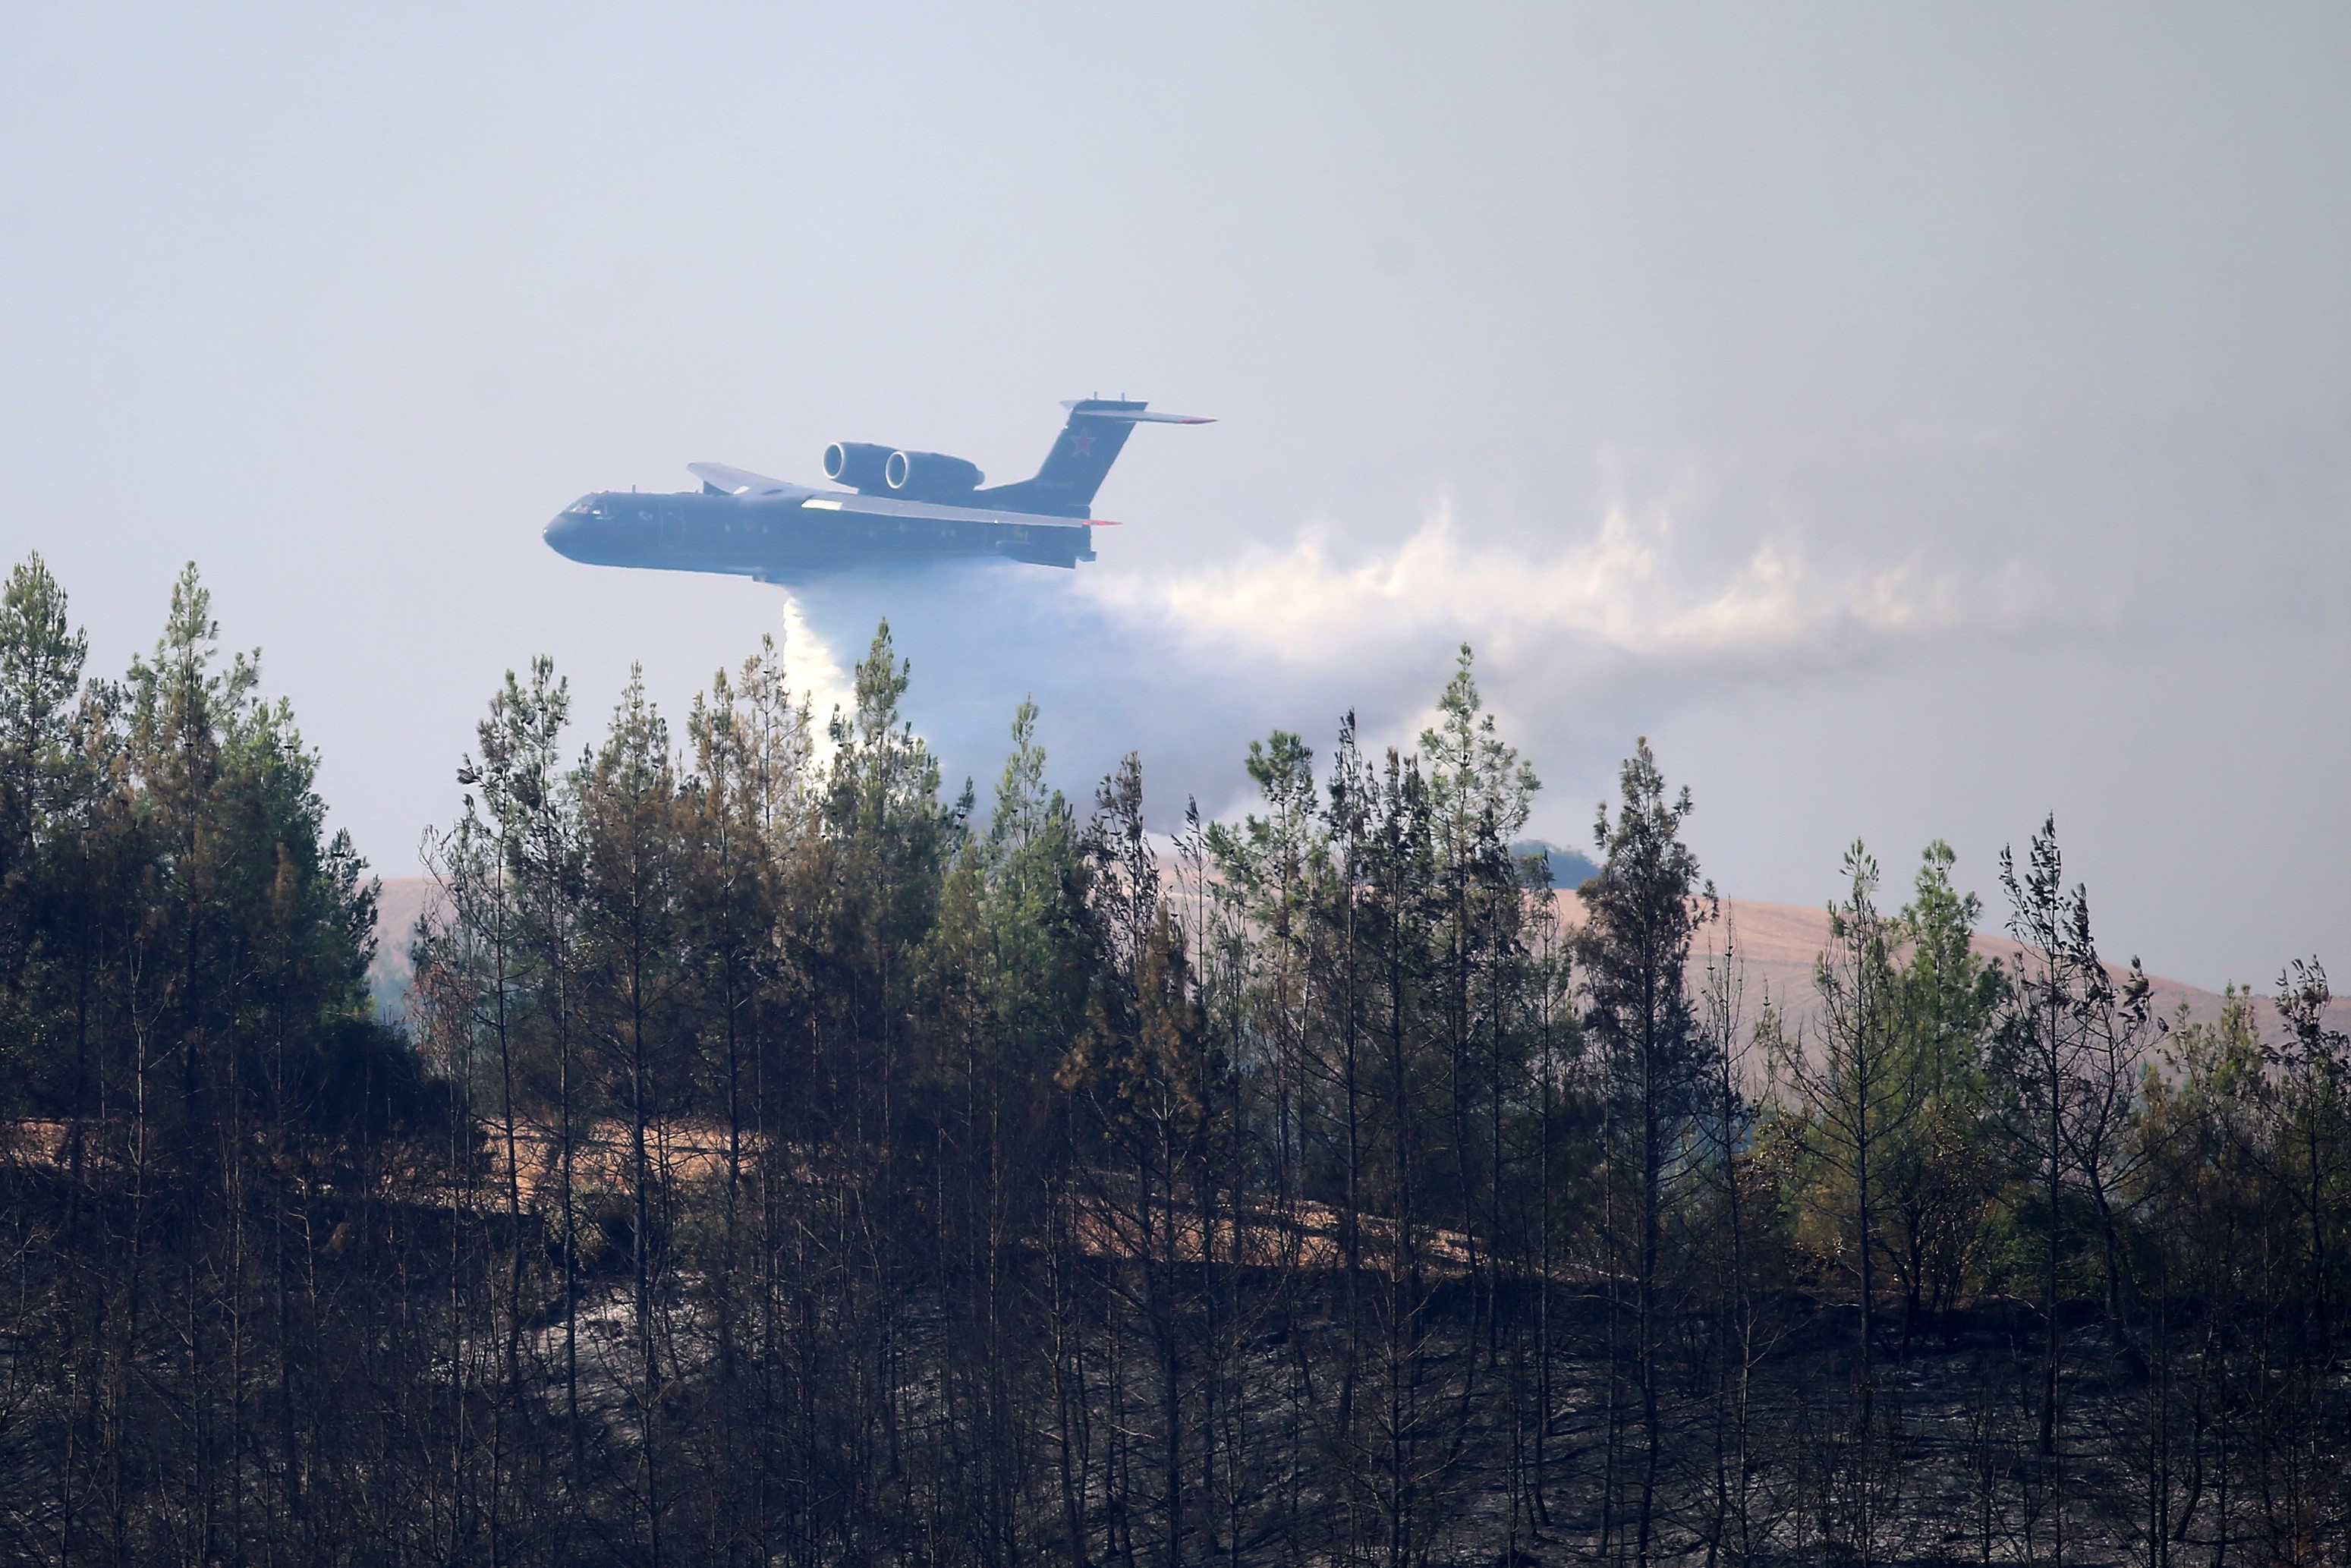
(1080, 458)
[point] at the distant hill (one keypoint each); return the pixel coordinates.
(1777, 944)
(402, 900)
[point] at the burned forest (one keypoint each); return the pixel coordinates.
(784, 1156)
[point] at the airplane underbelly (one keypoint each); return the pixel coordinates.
(783, 541)
(803, 543)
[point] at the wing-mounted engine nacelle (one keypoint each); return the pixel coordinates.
(910, 476)
(858, 465)
(930, 476)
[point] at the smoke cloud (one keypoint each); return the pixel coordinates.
(1187, 665)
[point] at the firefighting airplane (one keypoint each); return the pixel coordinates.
(897, 507)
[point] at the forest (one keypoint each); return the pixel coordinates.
(788, 1157)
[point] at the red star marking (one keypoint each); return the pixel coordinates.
(1084, 446)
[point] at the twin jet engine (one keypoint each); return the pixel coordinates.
(872, 470)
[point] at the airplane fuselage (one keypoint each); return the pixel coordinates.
(796, 531)
(897, 508)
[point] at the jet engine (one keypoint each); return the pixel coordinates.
(930, 476)
(858, 465)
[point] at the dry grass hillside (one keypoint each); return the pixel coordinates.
(1777, 944)
(402, 900)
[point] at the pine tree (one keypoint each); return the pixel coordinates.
(1640, 912)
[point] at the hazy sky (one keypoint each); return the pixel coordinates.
(1914, 420)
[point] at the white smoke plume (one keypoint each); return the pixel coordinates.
(1187, 666)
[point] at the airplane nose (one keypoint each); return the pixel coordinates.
(567, 532)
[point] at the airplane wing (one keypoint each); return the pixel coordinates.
(851, 504)
(729, 481)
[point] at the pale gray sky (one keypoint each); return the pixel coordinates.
(1915, 420)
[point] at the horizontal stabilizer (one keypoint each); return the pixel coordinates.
(1133, 416)
(729, 481)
